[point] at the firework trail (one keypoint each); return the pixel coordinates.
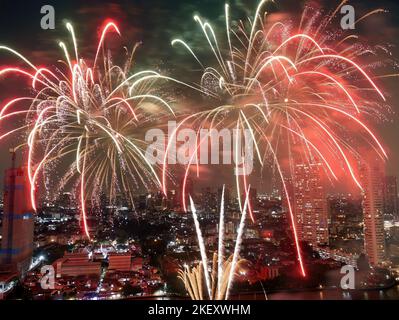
(218, 283)
(193, 279)
(237, 247)
(221, 241)
(89, 119)
(201, 244)
(303, 92)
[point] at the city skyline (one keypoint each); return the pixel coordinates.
(233, 151)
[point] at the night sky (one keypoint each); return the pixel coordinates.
(155, 23)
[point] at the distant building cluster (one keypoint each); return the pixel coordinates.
(317, 222)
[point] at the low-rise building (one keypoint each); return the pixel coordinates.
(120, 262)
(76, 265)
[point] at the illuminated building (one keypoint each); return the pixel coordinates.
(137, 264)
(346, 217)
(209, 200)
(391, 197)
(17, 232)
(120, 262)
(6, 283)
(159, 200)
(253, 198)
(74, 265)
(105, 211)
(337, 255)
(372, 179)
(251, 233)
(172, 199)
(310, 204)
(65, 202)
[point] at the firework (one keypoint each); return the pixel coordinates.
(88, 122)
(217, 284)
(193, 279)
(303, 92)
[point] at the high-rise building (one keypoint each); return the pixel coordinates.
(372, 175)
(253, 198)
(391, 197)
(310, 204)
(277, 187)
(346, 217)
(18, 221)
(65, 201)
(172, 199)
(209, 200)
(159, 200)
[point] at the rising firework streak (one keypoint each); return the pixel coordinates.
(218, 284)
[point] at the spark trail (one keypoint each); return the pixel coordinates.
(217, 284)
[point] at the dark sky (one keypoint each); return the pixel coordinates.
(156, 23)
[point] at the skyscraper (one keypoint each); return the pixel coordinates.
(372, 179)
(391, 197)
(209, 200)
(17, 231)
(310, 204)
(253, 198)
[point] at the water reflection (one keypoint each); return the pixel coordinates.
(388, 294)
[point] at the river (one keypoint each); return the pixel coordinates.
(326, 294)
